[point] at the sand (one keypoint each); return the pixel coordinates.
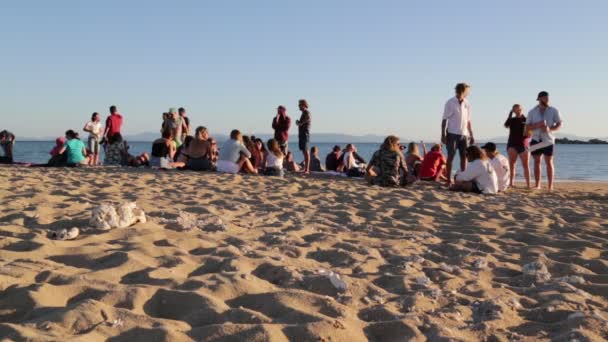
(419, 263)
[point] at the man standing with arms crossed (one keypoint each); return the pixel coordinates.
(304, 133)
(543, 120)
(456, 131)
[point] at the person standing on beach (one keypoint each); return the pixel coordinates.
(113, 123)
(281, 124)
(94, 129)
(456, 131)
(518, 142)
(185, 122)
(304, 133)
(543, 120)
(7, 141)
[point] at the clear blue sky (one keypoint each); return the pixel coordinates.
(365, 66)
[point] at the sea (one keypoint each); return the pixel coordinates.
(572, 162)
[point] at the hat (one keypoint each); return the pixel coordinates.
(172, 110)
(490, 147)
(542, 94)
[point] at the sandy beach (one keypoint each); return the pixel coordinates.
(417, 264)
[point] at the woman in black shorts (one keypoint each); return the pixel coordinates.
(517, 144)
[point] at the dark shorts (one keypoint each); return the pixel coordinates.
(303, 142)
(519, 148)
(199, 164)
(547, 151)
(457, 142)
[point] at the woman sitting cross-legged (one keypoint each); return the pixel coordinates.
(234, 156)
(479, 176)
(387, 166)
(274, 159)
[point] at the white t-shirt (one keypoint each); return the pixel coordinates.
(95, 128)
(482, 173)
(551, 116)
(501, 167)
(274, 161)
(458, 115)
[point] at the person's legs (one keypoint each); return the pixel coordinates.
(451, 147)
(463, 144)
(462, 186)
(306, 154)
(525, 157)
(246, 166)
(550, 171)
(512, 152)
(537, 160)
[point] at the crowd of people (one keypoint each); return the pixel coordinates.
(481, 170)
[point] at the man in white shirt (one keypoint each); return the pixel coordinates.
(500, 165)
(456, 131)
(543, 120)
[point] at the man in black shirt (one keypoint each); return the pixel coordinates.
(304, 133)
(7, 141)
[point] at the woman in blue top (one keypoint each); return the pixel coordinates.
(75, 149)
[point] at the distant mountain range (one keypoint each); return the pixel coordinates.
(319, 138)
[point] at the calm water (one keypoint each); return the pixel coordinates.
(573, 162)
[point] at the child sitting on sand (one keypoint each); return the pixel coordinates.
(58, 159)
(479, 176)
(315, 161)
(274, 159)
(433, 165)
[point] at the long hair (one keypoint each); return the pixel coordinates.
(274, 148)
(474, 153)
(391, 143)
(412, 149)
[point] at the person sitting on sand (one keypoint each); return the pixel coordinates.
(332, 160)
(163, 150)
(234, 156)
(518, 143)
(290, 164)
(433, 165)
(353, 164)
(479, 176)
(315, 161)
(57, 158)
(7, 142)
(75, 149)
(116, 151)
(199, 151)
(274, 159)
(413, 160)
(258, 153)
(180, 152)
(500, 165)
(387, 166)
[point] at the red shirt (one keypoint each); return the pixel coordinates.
(281, 128)
(431, 163)
(113, 124)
